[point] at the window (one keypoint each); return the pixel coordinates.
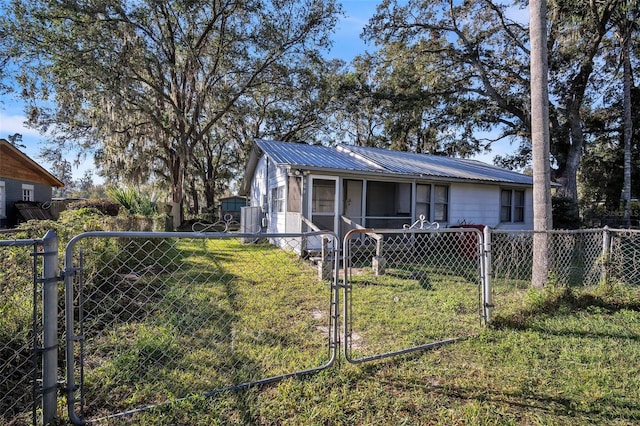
(511, 205)
(3, 201)
(423, 201)
(277, 199)
(27, 192)
(432, 201)
(441, 203)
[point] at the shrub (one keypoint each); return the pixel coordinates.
(106, 207)
(566, 214)
(134, 202)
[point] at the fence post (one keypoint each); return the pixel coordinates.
(606, 253)
(50, 327)
(486, 277)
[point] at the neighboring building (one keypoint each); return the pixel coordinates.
(22, 181)
(231, 206)
(378, 188)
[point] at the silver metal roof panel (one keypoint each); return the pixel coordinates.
(382, 161)
(437, 166)
(316, 156)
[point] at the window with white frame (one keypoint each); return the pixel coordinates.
(432, 201)
(277, 199)
(3, 200)
(27, 192)
(511, 205)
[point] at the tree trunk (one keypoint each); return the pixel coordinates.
(194, 196)
(628, 124)
(177, 191)
(540, 142)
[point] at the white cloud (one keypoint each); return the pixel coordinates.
(15, 123)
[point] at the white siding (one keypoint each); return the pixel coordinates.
(480, 204)
(259, 184)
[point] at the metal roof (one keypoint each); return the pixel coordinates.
(437, 166)
(381, 161)
(314, 156)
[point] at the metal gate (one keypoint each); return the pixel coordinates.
(153, 317)
(28, 329)
(409, 289)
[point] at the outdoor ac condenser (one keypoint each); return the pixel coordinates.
(250, 221)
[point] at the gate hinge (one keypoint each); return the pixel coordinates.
(71, 272)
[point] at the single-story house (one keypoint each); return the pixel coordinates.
(345, 186)
(23, 182)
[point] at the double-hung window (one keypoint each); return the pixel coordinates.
(511, 205)
(432, 201)
(277, 199)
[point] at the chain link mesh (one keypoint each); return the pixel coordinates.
(624, 257)
(159, 319)
(575, 259)
(20, 325)
(409, 289)
(167, 318)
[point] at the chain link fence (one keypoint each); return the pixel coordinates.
(20, 330)
(158, 318)
(408, 290)
(622, 256)
(585, 257)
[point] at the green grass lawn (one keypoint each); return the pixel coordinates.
(207, 315)
(578, 366)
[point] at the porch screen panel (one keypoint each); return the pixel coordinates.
(324, 200)
(388, 204)
(381, 197)
(3, 209)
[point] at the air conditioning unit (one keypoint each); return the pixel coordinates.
(250, 221)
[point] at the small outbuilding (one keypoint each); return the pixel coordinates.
(25, 187)
(231, 207)
(299, 187)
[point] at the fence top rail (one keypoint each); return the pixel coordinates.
(552, 231)
(20, 243)
(379, 232)
(200, 235)
(195, 235)
(622, 230)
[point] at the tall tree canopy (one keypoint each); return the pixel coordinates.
(147, 83)
(475, 62)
